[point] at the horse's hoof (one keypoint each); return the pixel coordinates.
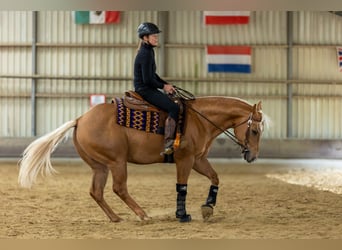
(146, 218)
(185, 218)
(207, 211)
(115, 220)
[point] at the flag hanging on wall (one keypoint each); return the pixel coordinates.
(229, 59)
(96, 17)
(226, 17)
(339, 58)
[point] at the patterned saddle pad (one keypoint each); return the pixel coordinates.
(148, 121)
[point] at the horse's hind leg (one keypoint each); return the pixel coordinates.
(100, 174)
(96, 191)
(119, 174)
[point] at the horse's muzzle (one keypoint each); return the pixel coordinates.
(247, 155)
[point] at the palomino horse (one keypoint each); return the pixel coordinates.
(107, 147)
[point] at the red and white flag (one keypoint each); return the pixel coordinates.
(226, 17)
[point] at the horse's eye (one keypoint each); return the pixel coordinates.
(255, 132)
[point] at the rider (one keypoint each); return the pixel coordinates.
(148, 84)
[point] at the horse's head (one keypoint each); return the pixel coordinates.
(249, 133)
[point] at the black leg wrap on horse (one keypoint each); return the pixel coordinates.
(181, 198)
(211, 200)
(208, 207)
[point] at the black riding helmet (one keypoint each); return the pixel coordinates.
(146, 29)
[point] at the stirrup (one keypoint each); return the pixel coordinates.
(169, 147)
(168, 151)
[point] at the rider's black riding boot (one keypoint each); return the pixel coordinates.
(169, 135)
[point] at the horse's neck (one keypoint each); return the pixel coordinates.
(224, 112)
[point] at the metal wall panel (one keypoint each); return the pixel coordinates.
(59, 27)
(265, 27)
(316, 63)
(67, 50)
(94, 62)
(317, 28)
(15, 61)
(317, 109)
(15, 108)
(15, 27)
(267, 63)
(318, 118)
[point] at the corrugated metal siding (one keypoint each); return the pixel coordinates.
(268, 62)
(317, 27)
(17, 60)
(14, 108)
(316, 107)
(94, 62)
(58, 27)
(15, 28)
(316, 63)
(317, 118)
(265, 27)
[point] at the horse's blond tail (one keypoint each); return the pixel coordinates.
(36, 157)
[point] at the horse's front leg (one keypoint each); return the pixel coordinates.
(181, 213)
(184, 167)
(203, 167)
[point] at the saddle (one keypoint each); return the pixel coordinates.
(135, 112)
(134, 101)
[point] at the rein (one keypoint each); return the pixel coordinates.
(183, 94)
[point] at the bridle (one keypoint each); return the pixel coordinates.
(249, 122)
(229, 134)
(185, 95)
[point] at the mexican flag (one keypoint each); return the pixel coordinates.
(96, 17)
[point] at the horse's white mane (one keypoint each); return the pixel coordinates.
(266, 120)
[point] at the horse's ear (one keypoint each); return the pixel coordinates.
(259, 106)
(254, 108)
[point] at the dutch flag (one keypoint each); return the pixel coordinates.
(229, 59)
(339, 58)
